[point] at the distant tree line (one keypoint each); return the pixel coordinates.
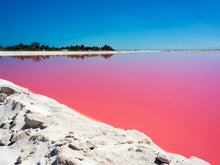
(36, 46)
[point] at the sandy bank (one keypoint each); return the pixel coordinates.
(56, 53)
(80, 53)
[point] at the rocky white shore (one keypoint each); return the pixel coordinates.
(37, 130)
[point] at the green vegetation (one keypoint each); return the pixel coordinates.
(36, 46)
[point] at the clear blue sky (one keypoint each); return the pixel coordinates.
(123, 24)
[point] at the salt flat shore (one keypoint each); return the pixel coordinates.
(38, 130)
(79, 53)
(56, 53)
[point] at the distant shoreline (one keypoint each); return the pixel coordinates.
(81, 53)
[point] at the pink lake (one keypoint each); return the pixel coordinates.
(173, 97)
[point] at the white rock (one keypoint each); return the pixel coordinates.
(3, 97)
(5, 139)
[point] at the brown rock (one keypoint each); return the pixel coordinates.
(73, 147)
(22, 159)
(34, 121)
(161, 157)
(7, 90)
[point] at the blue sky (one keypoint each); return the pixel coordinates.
(123, 24)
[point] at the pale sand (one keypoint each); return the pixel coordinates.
(56, 53)
(81, 53)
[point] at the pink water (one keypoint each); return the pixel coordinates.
(172, 97)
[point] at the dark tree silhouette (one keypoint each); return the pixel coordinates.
(106, 47)
(35, 44)
(1, 48)
(82, 47)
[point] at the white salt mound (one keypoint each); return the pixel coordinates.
(37, 130)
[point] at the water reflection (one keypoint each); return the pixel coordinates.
(136, 90)
(34, 58)
(39, 58)
(106, 56)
